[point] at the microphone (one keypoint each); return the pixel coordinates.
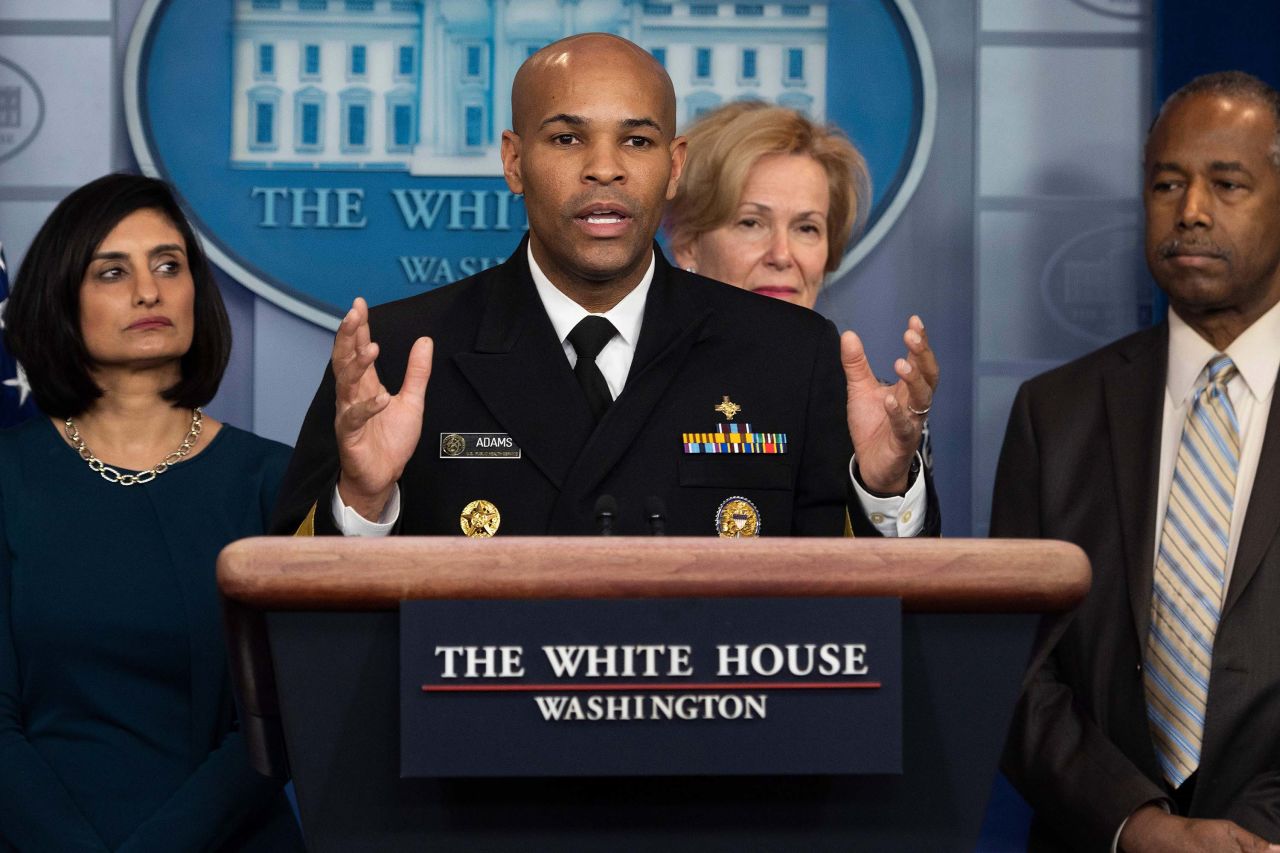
(606, 511)
(655, 512)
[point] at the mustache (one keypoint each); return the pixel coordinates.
(603, 198)
(1175, 246)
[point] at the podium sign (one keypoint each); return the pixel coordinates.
(655, 687)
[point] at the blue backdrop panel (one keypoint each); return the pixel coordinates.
(1197, 38)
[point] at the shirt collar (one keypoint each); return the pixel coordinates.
(1255, 354)
(627, 316)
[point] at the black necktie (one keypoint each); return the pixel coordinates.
(587, 339)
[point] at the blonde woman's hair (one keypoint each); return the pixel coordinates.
(725, 143)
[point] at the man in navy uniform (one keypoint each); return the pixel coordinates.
(586, 376)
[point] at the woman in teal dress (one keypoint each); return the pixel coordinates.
(117, 724)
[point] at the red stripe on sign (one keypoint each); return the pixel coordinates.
(578, 686)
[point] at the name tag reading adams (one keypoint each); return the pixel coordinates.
(477, 445)
(738, 686)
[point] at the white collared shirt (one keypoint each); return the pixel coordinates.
(627, 316)
(1256, 355)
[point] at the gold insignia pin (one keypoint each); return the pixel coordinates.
(737, 517)
(453, 444)
(728, 408)
(480, 519)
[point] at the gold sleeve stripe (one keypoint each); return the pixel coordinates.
(308, 525)
(848, 526)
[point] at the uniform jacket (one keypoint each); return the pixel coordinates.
(1081, 462)
(499, 370)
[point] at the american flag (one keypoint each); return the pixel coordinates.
(16, 404)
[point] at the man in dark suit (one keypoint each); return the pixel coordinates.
(1150, 719)
(585, 366)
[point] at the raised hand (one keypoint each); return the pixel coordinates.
(376, 431)
(885, 421)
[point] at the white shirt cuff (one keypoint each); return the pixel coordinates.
(351, 523)
(1115, 840)
(897, 516)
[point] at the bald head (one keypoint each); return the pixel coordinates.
(579, 59)
(593, 151)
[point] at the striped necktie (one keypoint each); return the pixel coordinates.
(1186, 594)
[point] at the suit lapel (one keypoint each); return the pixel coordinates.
(520, 371)
(1134, 396)
(1261, 519)
(673, 321)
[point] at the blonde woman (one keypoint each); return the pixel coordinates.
(768, 201)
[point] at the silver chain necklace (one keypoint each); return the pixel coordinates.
(111, 475)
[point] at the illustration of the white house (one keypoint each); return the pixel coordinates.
(423, 85)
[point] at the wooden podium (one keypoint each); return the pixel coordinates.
(313, 631)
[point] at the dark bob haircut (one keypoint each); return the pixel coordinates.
(42, 320)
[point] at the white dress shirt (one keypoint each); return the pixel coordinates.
(627, 316)
(1257, 358)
